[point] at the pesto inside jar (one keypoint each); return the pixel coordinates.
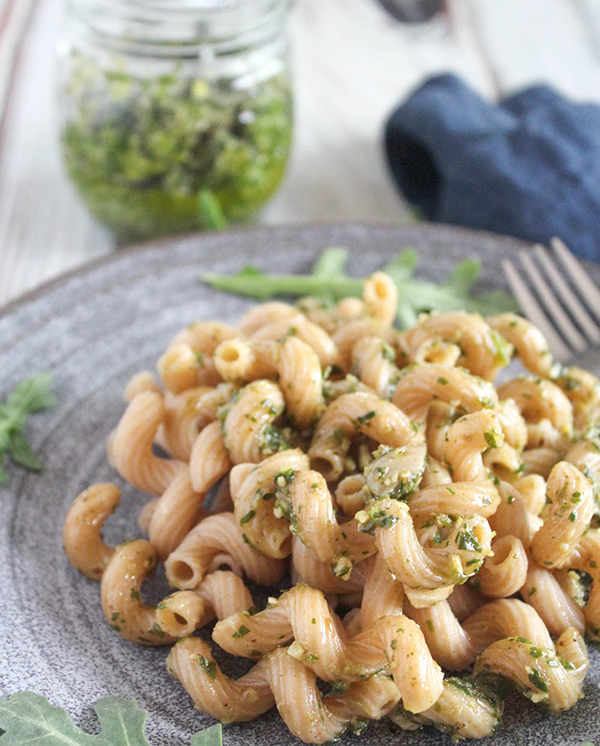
(144, 153)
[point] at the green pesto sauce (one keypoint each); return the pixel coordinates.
(142, 151)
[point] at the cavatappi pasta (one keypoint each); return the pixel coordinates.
(435, 534)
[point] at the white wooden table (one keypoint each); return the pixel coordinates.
(353, 64)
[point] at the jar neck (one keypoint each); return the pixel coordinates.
(178, 29)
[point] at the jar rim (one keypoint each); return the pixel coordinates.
(180, 28)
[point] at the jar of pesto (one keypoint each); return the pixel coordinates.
(176, 115)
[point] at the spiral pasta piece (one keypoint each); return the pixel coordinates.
(554, 606)
(131, 445)
(541, 674)
(142, 381)
(456, 556)
(503, 572)
(582, 388)
(585, 455)
(540, 460)
(314, 521)
(209, 459)
(120, 591)
(383, 595)
(512, 518)
(248, 431)
(374, 363)
(392, 643)
(215, 541)
(448, 642)
(184, 419)
(309, 716)
(420, 385)
(499, 619)
(586, 557)
(299, 326)
(380, 297)
(301, 382)
(191, 662)
(219, 595)
(187, 361)
(82, 530)
(348, 416)
(296, 364)
(264, 314)
(467, 439)
(174, 514)
(259, 500)
(483, 350)
(465, 709)
(529, 343)
(568, 515)
(539, 399)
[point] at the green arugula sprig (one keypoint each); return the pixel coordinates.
(328, 282)
(28, 718)
(28, 397)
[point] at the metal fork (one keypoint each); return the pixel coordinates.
(567, 314)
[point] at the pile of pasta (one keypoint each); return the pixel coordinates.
(437, 533)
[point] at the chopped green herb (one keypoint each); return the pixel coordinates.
(376, 518)
(207, 665)
(273, 440)
(338, 688)
(248, 517)
(537, 680)
(467, 540)
(241, 631)
(492, 438)
(28, 397)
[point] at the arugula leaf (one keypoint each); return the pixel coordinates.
(28, 718)
(28, 397)
(212, 736)
(21, 452)
(328, 282)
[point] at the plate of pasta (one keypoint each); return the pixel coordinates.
(295, 517)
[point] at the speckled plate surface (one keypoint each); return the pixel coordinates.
(92, 330)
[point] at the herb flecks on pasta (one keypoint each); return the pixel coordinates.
(381, 471)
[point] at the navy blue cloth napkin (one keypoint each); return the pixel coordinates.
(528, 166)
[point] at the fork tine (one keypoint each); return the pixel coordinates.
(568, 297)
(554, 310)
(578, 274)
(534, 312)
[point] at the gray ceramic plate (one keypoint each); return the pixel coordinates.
(92, 330)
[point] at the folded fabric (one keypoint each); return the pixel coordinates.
(528, 166)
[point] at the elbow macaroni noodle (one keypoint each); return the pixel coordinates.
(456, 522)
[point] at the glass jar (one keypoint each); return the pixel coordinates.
(176, 115)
